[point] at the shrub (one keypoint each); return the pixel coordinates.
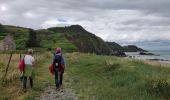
(159, 87)
(110, 65)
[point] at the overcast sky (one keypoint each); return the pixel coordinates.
(142, 22)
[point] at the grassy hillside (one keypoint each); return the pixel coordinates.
(71, 38)
(20, 35)
(85, 41)
(49, 39)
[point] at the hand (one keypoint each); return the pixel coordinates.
(63, 66)
(62, 70)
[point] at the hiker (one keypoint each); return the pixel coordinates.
(59, 65)
(28, 70)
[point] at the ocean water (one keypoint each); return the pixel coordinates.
(165, 55)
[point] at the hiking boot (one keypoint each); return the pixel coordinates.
(24, 90)
(57, 88)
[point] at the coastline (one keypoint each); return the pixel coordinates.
(159, 63)
(149, 59)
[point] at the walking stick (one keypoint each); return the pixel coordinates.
(7, 68)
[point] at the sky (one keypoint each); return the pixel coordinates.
(144, 23)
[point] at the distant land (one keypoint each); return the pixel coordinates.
(71, 38)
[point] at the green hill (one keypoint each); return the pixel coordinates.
(20, 34)
(71, 38)
(84, 41)
(50, 40)
(115, 46)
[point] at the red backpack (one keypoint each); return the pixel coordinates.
(21, 65)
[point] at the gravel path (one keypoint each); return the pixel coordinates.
(62, 94)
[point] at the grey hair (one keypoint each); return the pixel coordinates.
(30, 51)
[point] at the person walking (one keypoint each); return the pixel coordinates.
(28, 70)
(59, 66)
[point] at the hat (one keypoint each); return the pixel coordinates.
(58, 50)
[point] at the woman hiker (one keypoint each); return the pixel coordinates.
(59, 65)
(28, 71)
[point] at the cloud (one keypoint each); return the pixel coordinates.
(122, 21)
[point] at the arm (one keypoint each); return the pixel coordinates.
(63, 61)
(53, 58)
(33, 61)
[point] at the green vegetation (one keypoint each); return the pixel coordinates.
(115, 47)
(49, 39)
(71, 38)
(12, 89)
(20, 35)
(93, 77)
(84, 41)
(32, 39)
(133, 48)
(108, 78)
(2, 29)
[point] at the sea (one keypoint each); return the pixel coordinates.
(159, 55)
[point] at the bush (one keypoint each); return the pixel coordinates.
(159, 87)
(110, 65)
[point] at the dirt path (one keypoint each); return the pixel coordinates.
(64, 93)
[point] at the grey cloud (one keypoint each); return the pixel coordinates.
(153, 45)
(113, 20)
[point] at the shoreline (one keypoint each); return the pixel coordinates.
(150, 59)
(157, 63)
(153, 62)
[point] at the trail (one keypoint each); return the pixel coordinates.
(64, 93)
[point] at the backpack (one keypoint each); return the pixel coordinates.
(57, 60)
(21, 65)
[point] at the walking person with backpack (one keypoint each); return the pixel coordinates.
(28, 69)
(58, 65)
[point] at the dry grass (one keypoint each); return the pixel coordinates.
(157, 63)
(13, 71)
(13, 86)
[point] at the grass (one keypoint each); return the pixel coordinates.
(93, 78)
(13, 87)
(108, 78)
(51, 40)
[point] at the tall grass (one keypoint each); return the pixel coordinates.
(111, 78)
(13, 86)
(13, 72)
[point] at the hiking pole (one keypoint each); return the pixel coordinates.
(7, 68)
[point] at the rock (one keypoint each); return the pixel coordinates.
(144, 53)
(118, 53)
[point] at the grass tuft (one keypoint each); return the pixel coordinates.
(159, 87)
